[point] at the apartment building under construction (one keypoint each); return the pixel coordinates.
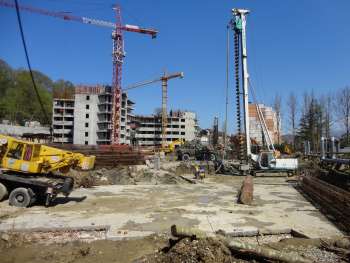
(271, 120)
(87, 117)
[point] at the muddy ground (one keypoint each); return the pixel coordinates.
(151, 249)
(139, 203)
(97, 251)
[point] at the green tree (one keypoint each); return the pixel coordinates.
(18, 100)
(21, 103)
(312, 122)
(63, 89)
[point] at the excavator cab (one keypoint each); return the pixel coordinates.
(18, 155)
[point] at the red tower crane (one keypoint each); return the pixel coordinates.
(117, 55)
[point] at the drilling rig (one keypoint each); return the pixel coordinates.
(266, 160)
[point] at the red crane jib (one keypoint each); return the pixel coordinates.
(84, 20)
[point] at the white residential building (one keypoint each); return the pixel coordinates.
(63, 120)
(181, 125)
(90, 115)
(87, 119)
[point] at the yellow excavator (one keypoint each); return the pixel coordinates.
(32, 171)
(171, 147)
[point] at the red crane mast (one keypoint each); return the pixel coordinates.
(117, 55)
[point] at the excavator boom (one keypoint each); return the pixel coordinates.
(35, 158)
(28, 171)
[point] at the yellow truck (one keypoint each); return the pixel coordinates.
(32, 171)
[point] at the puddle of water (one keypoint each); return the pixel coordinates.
(203, 200)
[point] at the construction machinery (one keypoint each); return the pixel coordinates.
(196, 150)
(171, 147)
(118, 53)
(30, 171)
(164, 79)
(265, 160)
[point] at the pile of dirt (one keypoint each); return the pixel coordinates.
(188, 167)
(206, 250)
(212, 250)
(126, 175)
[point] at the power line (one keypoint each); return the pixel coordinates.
(28, 62)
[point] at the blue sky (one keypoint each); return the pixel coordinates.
(292, 46)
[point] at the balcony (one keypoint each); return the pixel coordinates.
(65, 123)
(104, 112)
(62, 131)
(104, 121)
(103, 131)
(103, 140)
(61, 114)
(104, 102)
(63, 140)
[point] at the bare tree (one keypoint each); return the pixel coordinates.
(277, 108)
(292, 109)
(343, 109)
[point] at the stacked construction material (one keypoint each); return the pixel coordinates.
(110, 155)
(334, 201)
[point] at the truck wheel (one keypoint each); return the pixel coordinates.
(185, 157)
(3, 192)
(20, 197)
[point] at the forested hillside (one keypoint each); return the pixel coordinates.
(18, 101)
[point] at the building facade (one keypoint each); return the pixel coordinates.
(63, 120)
(255, 128)
(90, 116)
(87, 119)
(181, 125)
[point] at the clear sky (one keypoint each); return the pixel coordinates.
(292, 46)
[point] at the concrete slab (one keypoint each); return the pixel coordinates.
(139, 210)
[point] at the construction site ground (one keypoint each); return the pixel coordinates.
(134, 211)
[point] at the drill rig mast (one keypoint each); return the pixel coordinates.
(265, 160)
(238, 24)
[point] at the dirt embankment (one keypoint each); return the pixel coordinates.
(205, 250)
(159, 249)
(169, 173)
(79, 252)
